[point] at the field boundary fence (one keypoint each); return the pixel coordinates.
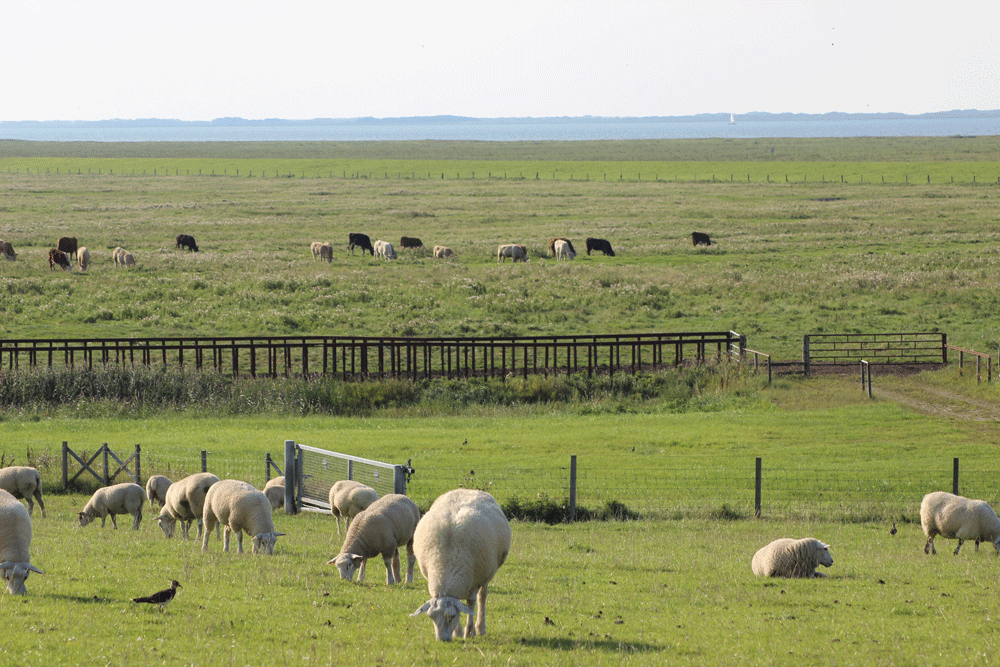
(377, 357)
(106, 476)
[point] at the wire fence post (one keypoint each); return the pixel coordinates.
(572, 487)
(204, 461)
(291, 482)
(866, 373)
(954, 476)
(756, 498)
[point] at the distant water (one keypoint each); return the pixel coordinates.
(549, 130)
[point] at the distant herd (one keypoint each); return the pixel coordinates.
(68, 249)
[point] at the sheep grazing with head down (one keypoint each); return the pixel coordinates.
(23, 482)
(15, 544)
(156, 490)
(124, 498)
(792, 558)
(185, 501)
(383, 528)
(952, 516)
(460, 543)
(241, 508)
(347, 498)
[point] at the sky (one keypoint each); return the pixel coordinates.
(101, 59)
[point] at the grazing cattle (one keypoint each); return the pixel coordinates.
(552, 245)
(187, 242)
(410, 242)
(83, 256)
(361, 241)
(563, 251)
(128, 259)
(118, 254)
(697, 238)
(599, 244)
(67, 244)
(512, 250)
(314, 247)
(57, 256)
(7, 250)
(440, 252)
(384, 250)
(326, 252)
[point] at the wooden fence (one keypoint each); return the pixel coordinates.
(877, 348)
(106, 476)
(362, 357)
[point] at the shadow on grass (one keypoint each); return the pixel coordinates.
(93, 599)
(600, 644)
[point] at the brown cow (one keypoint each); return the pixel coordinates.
(7, 250)
(57, 256)
(552, 245)
(67, 244)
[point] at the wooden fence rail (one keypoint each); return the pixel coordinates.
(876, 348)
(363, 357)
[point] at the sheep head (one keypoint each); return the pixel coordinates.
(85, 518)
(15, 574)
(825, 559)
(446, 612)
(265, 541)
(348, 564)
(167, 524)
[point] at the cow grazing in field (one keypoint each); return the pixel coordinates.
(118, 254)
(698, 238)
(410, 242)
(128, 259)
(440, 252)
(384, 250)
(599, 244)
(564, 250)
(552, 245)
(360, 241)
(83, 257)
(314, 247)
(57, 256)
(326, 252)
(512, 250)
(7, 250)
(186, 241)
(67, 244)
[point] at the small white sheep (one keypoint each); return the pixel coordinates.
(387, 524)
(952, 517)
(23, 482)
(156, 489)
(792, 558)
(275, 492)
(124, 498)
(460, 544)
(15, 544)
(240, 508)
(185, 501)
(347, 498)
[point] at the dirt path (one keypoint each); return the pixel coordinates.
(931, 400)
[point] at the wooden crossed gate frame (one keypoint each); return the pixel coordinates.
(108, 476)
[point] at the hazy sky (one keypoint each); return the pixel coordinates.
(97, 59)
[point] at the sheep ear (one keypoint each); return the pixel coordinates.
(358, 560)
(461, 606)
(423, 609)
(34, 569)
(276, 535)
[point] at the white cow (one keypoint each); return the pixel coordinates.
(384, 250)
(512, 250)
(563, 251)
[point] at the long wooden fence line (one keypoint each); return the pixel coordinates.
(364, 357)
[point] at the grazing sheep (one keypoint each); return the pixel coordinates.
(156, 490)
(124, 498)
(386, 525)
(952, 516)
(241, 509)
(513, 250)
(7, 250)
(58, 258)
(15, 544)
(460, 544)
(347, 498)
(384, 250)
(67, 244)
(563, 251)
(275, 492)
(186, 241)
(441, 252)
(83, 257)
(23, 482)
(185, 502)
(792, 558)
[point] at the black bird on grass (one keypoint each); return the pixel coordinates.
(163, 597)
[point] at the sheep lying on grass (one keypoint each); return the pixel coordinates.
(792, 558)
(124, 498)
(952, 516)
(242, 509)
(23, 482)
(347, 498)
(185, 501)
(387, 524)
(156, 490)
(460, 544)
(15, 544)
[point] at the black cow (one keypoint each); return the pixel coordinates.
(697, 238)
(410, 242)
(67, 244)
(599, 244)
(57, 256)
(186, 242)
(361, 241)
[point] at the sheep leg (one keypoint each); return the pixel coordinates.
(138, 520)
(960, 543)
(389, 570)
(481, 611)
(411, 559)
(929, 546)
(977, 546)
(239, 539)
(113, 521)
(361, 570)
(395, 567)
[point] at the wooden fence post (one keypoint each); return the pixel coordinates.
(756, 498)
(204, 461)
(572, 487)
(805, 354)
(65, 463)
(106, 474)
(954, 476)
(138, 477)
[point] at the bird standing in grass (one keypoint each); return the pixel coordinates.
(163, 597)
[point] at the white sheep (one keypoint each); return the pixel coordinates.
(156, 489)
(952, 516)
(460, 543)
(387, 524)
(241, 508)
(185, 501)
(23, 482)
(347, 498)
(126, 498)
(792, 558)
(15, 544)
